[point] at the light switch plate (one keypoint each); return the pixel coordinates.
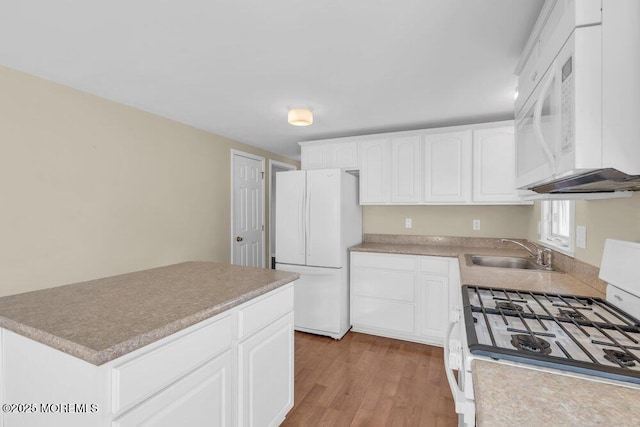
(476, 224)
(408, 223)
(581, 236)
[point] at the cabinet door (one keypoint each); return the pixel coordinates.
(383, 293)
(265, 385)
(314, 156)
(494, 165)
(447, 167)
(405, 169)
(434, 304)
(322, 231)
(374, 171)
(201, 398)
(343, 155)
(291, 187)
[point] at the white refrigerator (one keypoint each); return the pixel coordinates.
(318, 218)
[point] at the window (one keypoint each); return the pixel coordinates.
(557, 225)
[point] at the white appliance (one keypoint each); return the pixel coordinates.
(576, 114)
(570, 335)
(317, 219)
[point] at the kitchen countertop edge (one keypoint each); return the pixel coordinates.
(102, 356)
(544, 281)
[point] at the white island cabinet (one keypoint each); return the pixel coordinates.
(235, 368)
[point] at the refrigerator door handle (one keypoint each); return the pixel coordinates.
(301, 224)
(308, 221)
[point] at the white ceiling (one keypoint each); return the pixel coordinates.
(236, 67)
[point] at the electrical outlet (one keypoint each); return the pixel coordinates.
(408, 223)
(476, 224)
(581, 236)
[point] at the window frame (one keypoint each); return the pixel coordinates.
(546, 237)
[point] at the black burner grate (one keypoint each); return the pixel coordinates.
(557, 318)
(530, 343)
(507, 305)
(572, 314)
(619, 357)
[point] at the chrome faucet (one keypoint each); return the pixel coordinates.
(539, 254)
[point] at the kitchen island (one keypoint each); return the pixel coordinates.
(191, 343)
(507, 395)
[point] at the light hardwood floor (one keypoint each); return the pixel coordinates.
(363, 380)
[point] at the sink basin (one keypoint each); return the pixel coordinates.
(503, 262)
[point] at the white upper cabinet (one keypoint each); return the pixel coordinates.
(447, 168)
(343, 155)
(494, 165)
(374, 171)
(314, 157)
(471, 164)
(405, 169)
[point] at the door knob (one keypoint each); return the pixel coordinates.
(238, 239)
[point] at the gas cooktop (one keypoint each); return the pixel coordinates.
(574, 333)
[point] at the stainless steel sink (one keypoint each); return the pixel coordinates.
(503, 262)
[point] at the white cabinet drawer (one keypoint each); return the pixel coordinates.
(385, 261)
(256, 316)
(389, 315)
(434, 265)
(200, 398)
(147, 374)
(393, 285)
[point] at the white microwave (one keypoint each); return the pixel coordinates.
(564, 107)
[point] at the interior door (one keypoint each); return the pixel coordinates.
(323, 228)
(290, 218)
(248, 208)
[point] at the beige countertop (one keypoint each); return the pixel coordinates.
(543, 281)
(507, 395)
(103, 319)
(514, 396)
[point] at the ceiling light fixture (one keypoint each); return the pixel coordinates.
(300, 117)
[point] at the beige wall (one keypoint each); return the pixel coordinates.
(604, 219)
(495, 221)
(91, 188)
(613, 218)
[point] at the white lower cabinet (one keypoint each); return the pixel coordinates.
(402, 296)
(265, 386)
(235, 368)
(433, 293)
